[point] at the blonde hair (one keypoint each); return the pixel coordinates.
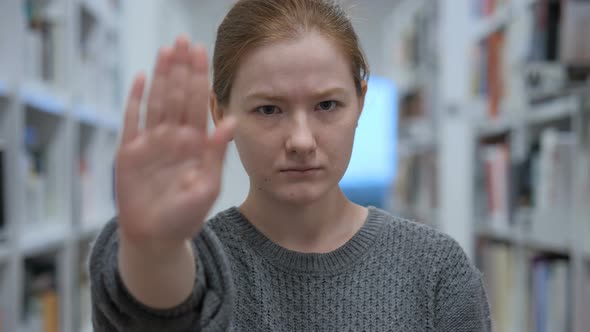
(254, 23)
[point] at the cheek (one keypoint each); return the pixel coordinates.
(341, 138)
(256, 154)
(338, 146)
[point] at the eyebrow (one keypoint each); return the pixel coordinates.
(273, 97)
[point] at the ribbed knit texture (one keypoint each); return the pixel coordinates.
(392, 275)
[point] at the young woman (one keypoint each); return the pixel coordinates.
(289, 81)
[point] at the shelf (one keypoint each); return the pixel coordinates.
(487, 127)
(554, 110)
(416, 137)
(517, 238)
(39, 96)
(91, 116)
(495, 127)
(43, 237)
(87, 115)
(547, 246)
(549, 111)
(495, 234)
(495, 22)
(409, 147)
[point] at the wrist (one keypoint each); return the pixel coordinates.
(153, 249)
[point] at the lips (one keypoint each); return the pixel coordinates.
(300, 169)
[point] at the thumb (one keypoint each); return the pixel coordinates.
(219, 140)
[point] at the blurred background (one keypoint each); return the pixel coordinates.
(476, 123)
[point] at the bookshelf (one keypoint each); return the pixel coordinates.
(60, 102)
(414, 195)
(510, 124)
(83, 305)
(4, 304)
(42, 305)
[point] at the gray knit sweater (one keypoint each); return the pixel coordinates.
(393, 275)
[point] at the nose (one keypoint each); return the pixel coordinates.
(300, 140)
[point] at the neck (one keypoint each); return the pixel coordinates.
(319, 226)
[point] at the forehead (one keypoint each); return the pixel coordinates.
(294, 67)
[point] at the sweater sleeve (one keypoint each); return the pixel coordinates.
(208, 308)
(461, 303)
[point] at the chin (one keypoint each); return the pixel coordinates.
(301, 195)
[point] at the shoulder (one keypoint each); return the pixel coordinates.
(427, 247)
(420, 238)
(459, 299)
(228, 225)
(224, 222)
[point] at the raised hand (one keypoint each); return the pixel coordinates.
(168, 172)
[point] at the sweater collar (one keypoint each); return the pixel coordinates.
(292, 261)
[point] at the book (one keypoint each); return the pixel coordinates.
(539, 51)
(553, 192)
(44, 41)
(41, 302)
(415, 188)
(35, 181)
(491, 73)
(585, 295)
(545, 40)
(582, 184)
(575, 29)
(84, 307)
(526, 292)
(495, 72)
(498, 269)
(493, 186)
(551, 294)
(506, 284)
(3, 190)
(487, 8)
(84, 279)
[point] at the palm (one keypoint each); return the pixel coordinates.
(169, 173)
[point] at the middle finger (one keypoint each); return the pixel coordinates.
(178, 80)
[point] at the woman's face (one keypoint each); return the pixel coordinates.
(297, 110)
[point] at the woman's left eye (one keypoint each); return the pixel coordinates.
(327, 105)
(267, 110)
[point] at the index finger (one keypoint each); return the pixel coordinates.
(197, 112)
(131, 121)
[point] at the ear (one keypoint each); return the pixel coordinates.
(364, 87)
(216, 112)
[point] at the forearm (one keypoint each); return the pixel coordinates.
(206, 307)
(159, 278)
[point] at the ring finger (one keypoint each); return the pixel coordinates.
(155, 105)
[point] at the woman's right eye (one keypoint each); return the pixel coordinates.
(267, 110)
